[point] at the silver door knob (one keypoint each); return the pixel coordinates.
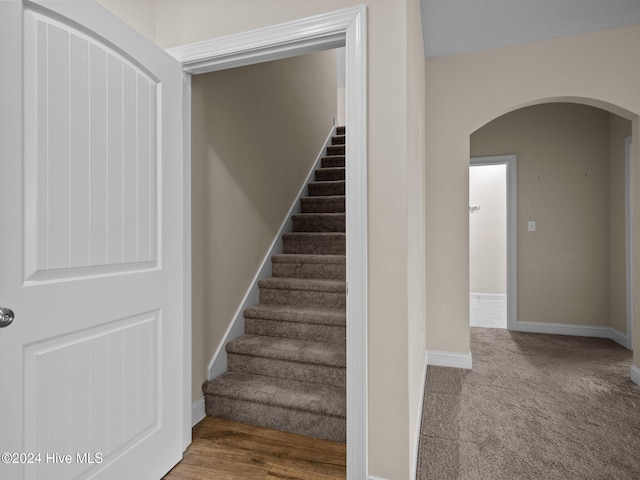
(6, 317)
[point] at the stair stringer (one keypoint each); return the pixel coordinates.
(218, 363)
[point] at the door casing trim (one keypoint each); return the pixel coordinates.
(346, 28)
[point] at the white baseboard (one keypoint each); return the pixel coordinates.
(635, 374)
(572, 329)
(496, 297)
(371, 477)
(449, 359)
(218, 364)
(197, 411)
(418, 424)
(619, 337)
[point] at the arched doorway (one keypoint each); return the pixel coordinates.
(468, 91)
(572, 213)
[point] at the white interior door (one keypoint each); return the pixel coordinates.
(91, 369)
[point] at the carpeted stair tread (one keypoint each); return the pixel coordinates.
(310, 397)
(327, 174)
(321, 267)
(319, 222)
(303, 284)
(301, 351)
(336, 150)
(333, 161)
(298, 314)
(330, 243)
(333, 187)
(323, 204)
(338, 139)
(288, 370)
(309, 258)
(297, 330)
(341, 130)
(303, 291)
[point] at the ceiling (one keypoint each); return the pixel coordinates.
(461, 26)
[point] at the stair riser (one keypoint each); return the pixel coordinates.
(336, 150)
(338, 140)
(318, 205)
(319, 246)
(274, 367)
(320, 271)
(295, 421)
(299, 331)
(333, 162)
(332, 223)
(341, 130)
(329, 174)
(326, 188)
(274, 296)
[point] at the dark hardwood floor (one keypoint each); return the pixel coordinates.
(225, 450)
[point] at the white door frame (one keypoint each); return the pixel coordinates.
(512, 231)
(331, 30)
(628, 239)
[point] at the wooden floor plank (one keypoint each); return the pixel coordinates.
(226, 450)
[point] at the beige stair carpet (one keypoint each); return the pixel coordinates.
(288, 372)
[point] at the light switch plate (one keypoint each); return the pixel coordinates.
(532, 226)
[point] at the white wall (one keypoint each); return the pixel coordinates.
(140, 14)
(488, 229)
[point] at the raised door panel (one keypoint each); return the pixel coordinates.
(91, 396)
(91, 162)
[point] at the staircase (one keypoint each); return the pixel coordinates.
(288, 371)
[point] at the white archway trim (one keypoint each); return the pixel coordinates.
(346, 28)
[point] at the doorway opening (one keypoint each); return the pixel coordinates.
(492, 269)
(573, 248)
(330, 30)
(488, 246)
(259, 145)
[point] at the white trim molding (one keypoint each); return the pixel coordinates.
(596, 331)
(620, 338)
(346, 28)
(418, 424)
(449, 359)
(197, 411)
(187, 259)
(371, 477)
(628, 193)
(512, 231)
(311, 34)
(635, 374)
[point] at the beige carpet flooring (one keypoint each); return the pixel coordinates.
(534, 407)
